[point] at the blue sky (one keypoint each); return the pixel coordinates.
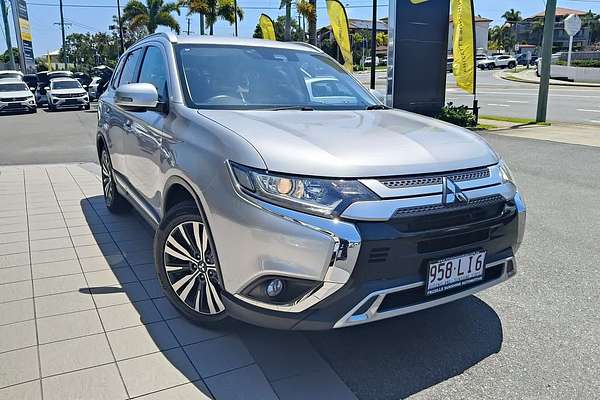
(46, 35)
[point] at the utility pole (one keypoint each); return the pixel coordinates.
(373, 44)
(188, 26)
(120, 27)
(542, 106)
(7, 32)
(202, 24)
(235, 15)
(312, 25)
(62, 27)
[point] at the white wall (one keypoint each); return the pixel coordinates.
(577, 74)
(481, 35)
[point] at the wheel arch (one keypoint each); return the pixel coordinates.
(176, 191)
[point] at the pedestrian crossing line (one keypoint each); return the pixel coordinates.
(517, 101)
(498, 105)
(588, 110)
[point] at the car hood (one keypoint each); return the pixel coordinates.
(68, 91)
(16, 93)
(355, 143)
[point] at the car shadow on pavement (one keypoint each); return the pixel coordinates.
(385, 360)
(398, 357)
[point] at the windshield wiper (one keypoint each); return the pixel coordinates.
(299, 108)
(377, 107)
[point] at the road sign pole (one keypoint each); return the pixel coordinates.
(570, 50)
(7, 33)
(373, 43)
(542, 106)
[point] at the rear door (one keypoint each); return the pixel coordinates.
(148, 128)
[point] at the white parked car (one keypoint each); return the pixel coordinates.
(67, 93)
(329, 90)
(11, 74)
(501, 61)
(16, 96)
(368, 61)
(93, 87)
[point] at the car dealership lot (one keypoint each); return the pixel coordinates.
(80, 307)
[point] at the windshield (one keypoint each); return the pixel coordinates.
(242, 77)
(66, 85)
(13, 87)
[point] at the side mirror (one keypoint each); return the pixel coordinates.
(47, 88)
(84, 86)
(32, 89)
(137, 96)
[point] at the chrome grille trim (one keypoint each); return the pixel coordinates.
(427, 180)
(482, 201)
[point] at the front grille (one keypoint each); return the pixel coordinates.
(69, 96)
(435, 179)
(9, 99)
(440, 216)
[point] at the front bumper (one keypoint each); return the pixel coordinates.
(70, 102)
(381, 273)
(26, 105)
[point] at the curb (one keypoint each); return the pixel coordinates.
(554, 83)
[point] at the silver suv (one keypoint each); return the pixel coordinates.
(286, 195)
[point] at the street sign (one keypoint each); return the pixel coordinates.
(572, 27)
(23, 33)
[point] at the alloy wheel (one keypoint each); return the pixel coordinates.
(191, 268)
(107, 179)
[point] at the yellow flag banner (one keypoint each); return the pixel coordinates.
(339, 25)
(267, 27)
(464, 44)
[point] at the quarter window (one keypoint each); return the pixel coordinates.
(129, 69)
(154, 71)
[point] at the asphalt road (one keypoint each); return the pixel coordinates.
(536, 336)
(504, 98)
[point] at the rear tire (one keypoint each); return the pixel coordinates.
(187, 265)
(112, 198)
(491, 66)
(511, 65)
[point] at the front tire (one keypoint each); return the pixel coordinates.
(187, 264)
(112, 198)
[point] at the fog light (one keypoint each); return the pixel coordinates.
(274, 287)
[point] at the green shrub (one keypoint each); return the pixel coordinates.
(582, 63)
(457, 115)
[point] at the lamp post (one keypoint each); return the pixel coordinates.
(235, 16)
(122, 44)
(373, 44)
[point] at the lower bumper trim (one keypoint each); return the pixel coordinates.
(359, 315)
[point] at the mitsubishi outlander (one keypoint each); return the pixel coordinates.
(285, 194)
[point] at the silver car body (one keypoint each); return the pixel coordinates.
(152, 153)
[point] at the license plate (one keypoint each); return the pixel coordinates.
(454, 272)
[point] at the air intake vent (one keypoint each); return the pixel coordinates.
(378, 255)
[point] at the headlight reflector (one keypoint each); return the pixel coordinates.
(506, 174)
(324, 197)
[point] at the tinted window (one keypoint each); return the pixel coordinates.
(244, 77)
(13, 87)
(65, 85)
(128, 73)
(154, 71)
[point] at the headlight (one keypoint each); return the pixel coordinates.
(324, 197)
(506, 174)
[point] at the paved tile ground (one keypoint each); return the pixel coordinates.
(82, 315)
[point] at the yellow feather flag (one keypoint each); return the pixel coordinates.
(339, 25)
(464, 44)
(267, 27)
(49, 62)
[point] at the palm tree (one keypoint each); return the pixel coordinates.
(288, 17)
(312, 23)
(151, 15)
(200, 7)
(512, 16)
(306, 10)
(222, 9)
(592, 21)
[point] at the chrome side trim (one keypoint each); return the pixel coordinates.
(521, 219)
(372, 315)
(346, 247)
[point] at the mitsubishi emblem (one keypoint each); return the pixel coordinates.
(451, 188)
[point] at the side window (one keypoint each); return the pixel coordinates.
(154, 71)
(129, 69)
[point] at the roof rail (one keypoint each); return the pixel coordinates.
(170, 36)
(311, 46)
